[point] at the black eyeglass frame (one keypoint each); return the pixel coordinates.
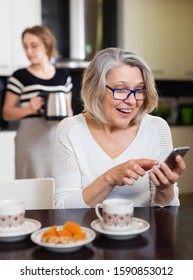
(131, 91)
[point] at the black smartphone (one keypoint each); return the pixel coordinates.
(170, 160)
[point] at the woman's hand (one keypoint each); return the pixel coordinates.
(35, 104)
(164, 178)
(122, 174)
(12, 112)
(126, 173)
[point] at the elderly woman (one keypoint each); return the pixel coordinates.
(114, 147)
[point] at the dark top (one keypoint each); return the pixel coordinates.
(26, 85)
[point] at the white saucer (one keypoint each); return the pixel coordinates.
(63, 248)
(137, 228)
(29, 226)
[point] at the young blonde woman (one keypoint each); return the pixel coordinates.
(35, 136)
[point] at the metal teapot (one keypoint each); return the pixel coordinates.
(55, 107)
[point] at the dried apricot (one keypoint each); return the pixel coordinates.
(48, 233)
(79, 236)
(72, 227)
(64, 232)
(70, 232)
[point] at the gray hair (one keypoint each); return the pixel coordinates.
(94, 81)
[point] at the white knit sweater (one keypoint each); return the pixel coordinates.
(79, 160)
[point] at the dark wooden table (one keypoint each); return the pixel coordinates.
(170, 237)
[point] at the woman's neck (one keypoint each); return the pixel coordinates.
(43, 71)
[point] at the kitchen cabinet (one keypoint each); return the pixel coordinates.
(160, 31)
(7, 154)
(186, 39)
(5, 35)
(183, 136)
(15, 16)
(162, 38)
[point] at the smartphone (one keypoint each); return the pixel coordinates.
(170, 160)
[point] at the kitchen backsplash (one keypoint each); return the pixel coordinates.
(176, 102)
(176, 111)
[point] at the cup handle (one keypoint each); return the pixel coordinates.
(99, 205)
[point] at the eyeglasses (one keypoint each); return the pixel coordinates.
(124, 93)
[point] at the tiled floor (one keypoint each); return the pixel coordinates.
(186, 199)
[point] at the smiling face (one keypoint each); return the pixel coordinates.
(119, 113)
(34, 48)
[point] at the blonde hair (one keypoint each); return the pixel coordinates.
(94, 81)
(46, 36)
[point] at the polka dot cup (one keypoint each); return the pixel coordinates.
(12, 214)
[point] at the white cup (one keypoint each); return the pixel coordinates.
(117, 214)
(12, 214)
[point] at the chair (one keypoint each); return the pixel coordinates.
(36, 193)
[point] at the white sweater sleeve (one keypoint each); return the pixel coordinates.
(174, 202)
(68, 193)
(69, 196)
